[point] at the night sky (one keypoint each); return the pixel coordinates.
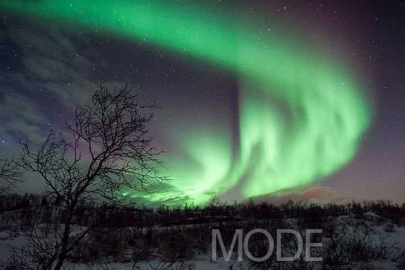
(268, 99)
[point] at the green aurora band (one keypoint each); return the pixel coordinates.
(301, 115)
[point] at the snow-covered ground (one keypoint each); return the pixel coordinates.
(395, 235)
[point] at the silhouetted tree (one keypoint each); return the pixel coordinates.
(104, 149)
(9, 176)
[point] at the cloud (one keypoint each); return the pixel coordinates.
(44, 76)
(54, 61)
(19, 116)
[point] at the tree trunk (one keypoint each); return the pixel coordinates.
(64, 247)
(65, 238)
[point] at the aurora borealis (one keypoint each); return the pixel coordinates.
(300, 112)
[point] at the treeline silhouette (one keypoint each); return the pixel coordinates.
(134, 233)
(25, 208)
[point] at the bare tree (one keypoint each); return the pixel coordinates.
(9, 176)
(107, 147)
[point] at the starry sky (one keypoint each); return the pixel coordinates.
(217, 122)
